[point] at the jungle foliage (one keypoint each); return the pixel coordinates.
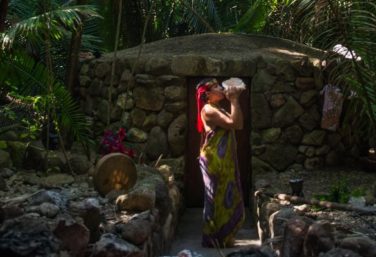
(53, 32)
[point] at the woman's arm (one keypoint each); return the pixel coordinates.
(214, 117)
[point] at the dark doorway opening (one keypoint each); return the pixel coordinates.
(194, 188)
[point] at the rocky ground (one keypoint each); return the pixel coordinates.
(58, 214)
(61, 205)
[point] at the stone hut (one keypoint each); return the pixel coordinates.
(152, 97)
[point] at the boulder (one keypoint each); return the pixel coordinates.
(111, 246)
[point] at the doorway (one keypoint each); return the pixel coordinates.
(193, 184)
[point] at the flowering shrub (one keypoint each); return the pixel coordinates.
(112, 143)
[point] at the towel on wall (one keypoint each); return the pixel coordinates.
(332, 108)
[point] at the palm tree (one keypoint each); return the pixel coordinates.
(324, 24)
(37, 26)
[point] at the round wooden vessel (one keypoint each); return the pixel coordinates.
(114, 171)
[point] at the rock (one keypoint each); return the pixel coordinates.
(261, 113)
(5, 160)
(277, 224)
(3, 185)
(293, 134)
(271, 135)
(74, 237)
(169, 80)
(102, 69)
(150, 121)
(145, 79)
(80, 164)
(315, 138)
(157, 65)
(135, 231)
(286, 115)
(176, 165)
(6, 172)
(339, 252)
(264, 210)
(48, 209)
(89, 210)
(279, 156)
(10, 212)
(361, 245)
(319, 238)
(126, 120)
(283, 87)
(58, 180)
(177, 134)
(157, 143)
(139, 199)
(304, 83)
(17, 152)
(187, 65)
(310, 119)
(164, 118)
(49, 196)
(175, 93)
(111, 246)
(126, 76)
(136, 135)
(308, 98)
(263, 81)
(151, 99)
(27, 235)
(260, 167)
(313, 163)
(138, 117)
(277, 100)
(322, 150)
(295, 231)
(177, 107)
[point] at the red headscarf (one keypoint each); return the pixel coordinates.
(201, 89)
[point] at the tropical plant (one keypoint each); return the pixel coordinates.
(26, 80)
(325, 24)
(351, 24)
(28, 76)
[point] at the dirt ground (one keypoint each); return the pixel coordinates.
(320, 181)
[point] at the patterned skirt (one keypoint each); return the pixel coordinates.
(223, 202)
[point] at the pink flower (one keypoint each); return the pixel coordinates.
(113, 143)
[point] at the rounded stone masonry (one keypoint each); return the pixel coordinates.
(153, 102)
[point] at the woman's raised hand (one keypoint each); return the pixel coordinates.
(232, 93)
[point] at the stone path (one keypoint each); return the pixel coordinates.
(188, 236)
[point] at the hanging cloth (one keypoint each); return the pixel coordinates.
(332, 107)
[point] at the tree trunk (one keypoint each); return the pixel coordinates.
(3, 14)
(74, 50)
(134, 22)
(72, 65)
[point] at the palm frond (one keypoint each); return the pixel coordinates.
(54, 22)
(255, 18)
(31, 78)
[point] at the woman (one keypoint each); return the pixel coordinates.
(223, 201)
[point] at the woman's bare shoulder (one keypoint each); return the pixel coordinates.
(209, 110)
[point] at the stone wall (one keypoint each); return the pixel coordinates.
(300, 230)
(151, 101)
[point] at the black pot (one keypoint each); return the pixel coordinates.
(296, 187)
